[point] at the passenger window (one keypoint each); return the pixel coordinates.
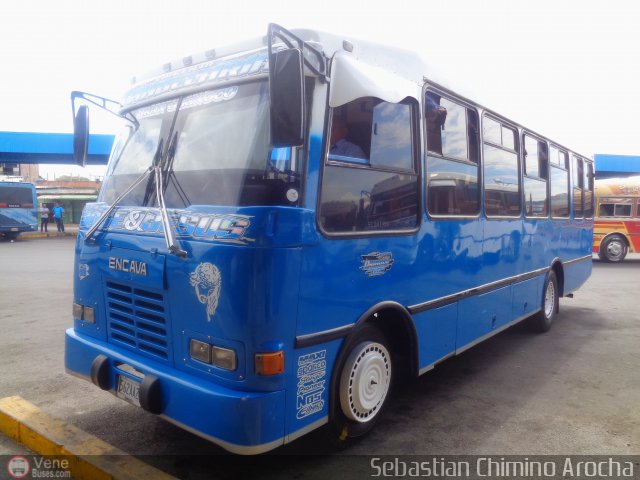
(578, 185)
(559, 183)
(391, 144)
(501, 177)
(370, 179)
(452, 158)
(588, 190)
(615, 207)
(535, 180)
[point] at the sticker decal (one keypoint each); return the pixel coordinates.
(206, 280)
(83, 271)
(312, 370)
(225, 228)
(376, 263)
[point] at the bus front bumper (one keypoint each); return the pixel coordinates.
(241, 422)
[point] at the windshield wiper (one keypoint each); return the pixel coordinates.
(171, 241)
(159, 166)
(115, 203)
(138, 181)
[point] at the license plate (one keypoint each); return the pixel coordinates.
(128, 390)
(14, 229)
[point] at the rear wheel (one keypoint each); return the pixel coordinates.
(613, 249)
(362, 387)
(542, 321)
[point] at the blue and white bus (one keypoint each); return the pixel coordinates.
(17, 208)
(286, 228)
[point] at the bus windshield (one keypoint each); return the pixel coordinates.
(218, 152)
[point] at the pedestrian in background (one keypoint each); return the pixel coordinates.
(58, 216)
(44, 218)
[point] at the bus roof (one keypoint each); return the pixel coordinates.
(408, 66)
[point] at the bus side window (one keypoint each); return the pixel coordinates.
(452, 158)
(536, 172)
(615, 207)
(578, 185)
(588, 190)
(559, 179)
(380, 192)
(501, 175)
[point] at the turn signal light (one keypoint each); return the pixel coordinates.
(270, 363)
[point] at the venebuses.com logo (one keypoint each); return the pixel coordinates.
(36, 466)
(18, 467)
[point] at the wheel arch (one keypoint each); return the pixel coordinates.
(396, 324)
(558, 269)
(619, 234)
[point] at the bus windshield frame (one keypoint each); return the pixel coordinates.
(214, 148)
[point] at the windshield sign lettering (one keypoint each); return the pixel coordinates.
(219, 227)
(199, 75)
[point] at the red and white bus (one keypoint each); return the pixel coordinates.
(616, 228)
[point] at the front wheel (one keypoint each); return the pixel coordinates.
(542, 321)
(613, 249)
(363, 387)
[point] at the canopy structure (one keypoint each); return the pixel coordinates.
(48, 148)
(608, 166)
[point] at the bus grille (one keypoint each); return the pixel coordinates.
(137, 320)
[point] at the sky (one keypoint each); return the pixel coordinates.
(567, 69)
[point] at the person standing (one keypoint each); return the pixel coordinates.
(44, 218)
(58, 216)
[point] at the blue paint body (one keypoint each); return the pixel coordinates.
(290, 280)
(282, 279)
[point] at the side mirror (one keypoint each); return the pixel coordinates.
(286, 83)
(81, 135)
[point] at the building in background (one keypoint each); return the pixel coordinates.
(73, 195)
(27, 172)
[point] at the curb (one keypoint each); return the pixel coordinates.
(47, 234)
(46, 435)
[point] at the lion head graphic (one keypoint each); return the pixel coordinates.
(207, 280)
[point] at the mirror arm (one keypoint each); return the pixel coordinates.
(106, 104)
(275, 31)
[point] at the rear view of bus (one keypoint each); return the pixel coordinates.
(17, 209)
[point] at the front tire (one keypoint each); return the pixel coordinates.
(613, 249)
(543, 320)
(363, 386)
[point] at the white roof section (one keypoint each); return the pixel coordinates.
(368, 69)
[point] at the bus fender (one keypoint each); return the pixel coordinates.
(385, 316)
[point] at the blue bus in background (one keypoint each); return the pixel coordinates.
(17, 208)
(285, 230)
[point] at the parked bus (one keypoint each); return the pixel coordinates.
(250, 273)
(17, 208)
(616, 229)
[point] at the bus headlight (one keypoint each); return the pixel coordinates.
(82, 312)
(200, 351)
(220, 357)
(89, 315)
(77, 311)
(224, 358)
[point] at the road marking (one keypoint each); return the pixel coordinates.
(91, 458)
